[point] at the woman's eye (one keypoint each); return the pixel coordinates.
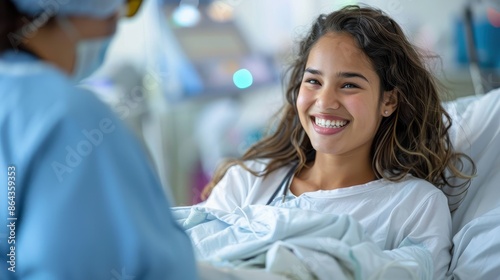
(312, 81)
(349, 85)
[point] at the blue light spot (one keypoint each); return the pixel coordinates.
(242, 78)
(186, 16)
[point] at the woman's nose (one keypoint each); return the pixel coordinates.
(328, 99)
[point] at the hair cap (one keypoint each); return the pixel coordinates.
(92, 8)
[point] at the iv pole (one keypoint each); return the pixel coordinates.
(474, 69)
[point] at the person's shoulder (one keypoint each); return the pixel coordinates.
(418, 188)
(41, 102)
(257, 165)
(256, 170)
(412, 180)
(39, 90)
(33, 76)
(248, 168)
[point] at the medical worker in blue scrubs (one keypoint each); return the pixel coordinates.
(79, 199)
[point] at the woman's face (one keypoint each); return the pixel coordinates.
(339, 98)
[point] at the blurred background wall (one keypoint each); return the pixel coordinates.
(199, 80)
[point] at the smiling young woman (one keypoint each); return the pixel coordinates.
(362, 133)
(340, 108)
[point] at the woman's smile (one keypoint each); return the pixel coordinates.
(328, 125)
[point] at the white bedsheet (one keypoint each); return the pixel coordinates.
(207, 271)
(477, 248)
(297, 243)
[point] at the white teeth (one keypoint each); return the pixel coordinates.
(329, 123)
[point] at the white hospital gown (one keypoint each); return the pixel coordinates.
(398, 216)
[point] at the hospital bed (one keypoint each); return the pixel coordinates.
(476, 223)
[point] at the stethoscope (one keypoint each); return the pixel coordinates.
(283, 186)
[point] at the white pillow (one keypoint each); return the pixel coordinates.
(476, 223)
(476, 132)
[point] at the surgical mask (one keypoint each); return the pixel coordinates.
(90, 53)
(90, 56)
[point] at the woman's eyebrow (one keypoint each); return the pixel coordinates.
(313, 71)
(351, 75)
(339, 74)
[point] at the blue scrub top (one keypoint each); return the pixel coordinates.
(79, 198)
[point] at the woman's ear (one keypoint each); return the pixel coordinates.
(389, 102)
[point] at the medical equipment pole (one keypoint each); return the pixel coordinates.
(474, 69)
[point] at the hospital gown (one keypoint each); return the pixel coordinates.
(400, 218)
(87, 202)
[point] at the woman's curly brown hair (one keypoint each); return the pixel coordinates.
(413, 140)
